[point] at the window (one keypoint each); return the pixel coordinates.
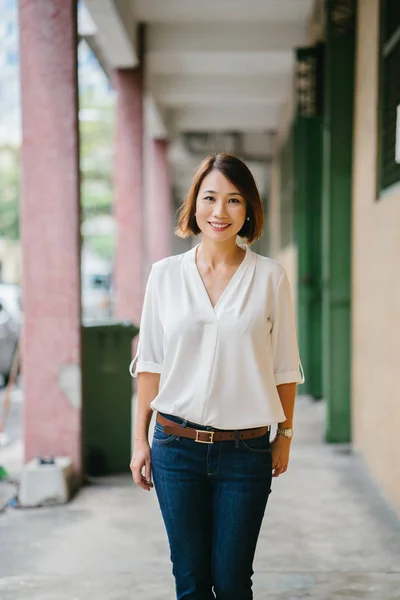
(390, 93)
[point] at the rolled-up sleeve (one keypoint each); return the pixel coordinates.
(149, 357)
(286, 359)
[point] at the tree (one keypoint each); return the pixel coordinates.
(9, 192)
(96, 123)
(96, 160)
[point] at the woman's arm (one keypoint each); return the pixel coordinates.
(148, 384)
(287, 394)
(280, 447)
(148, 369)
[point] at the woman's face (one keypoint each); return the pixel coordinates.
(220, 207)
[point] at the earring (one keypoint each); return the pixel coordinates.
(248, 219)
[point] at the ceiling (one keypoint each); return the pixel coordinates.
(211, 66)
(221, 64)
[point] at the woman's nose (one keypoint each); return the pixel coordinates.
(219, 211)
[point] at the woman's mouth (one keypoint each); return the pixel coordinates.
(219, 226)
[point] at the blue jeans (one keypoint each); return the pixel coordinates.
(212, 498)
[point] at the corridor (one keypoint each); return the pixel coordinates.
(328, 534)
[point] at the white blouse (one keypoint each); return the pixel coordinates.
(219, 366)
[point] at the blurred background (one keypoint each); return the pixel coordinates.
(106, 109)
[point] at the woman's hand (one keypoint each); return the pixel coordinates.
(141, 459)
(280, 451)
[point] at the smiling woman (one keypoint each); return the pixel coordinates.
(218, 361)
(236, 188)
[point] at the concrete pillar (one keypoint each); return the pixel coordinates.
(128, 273)
(50, 222)
(159, 217)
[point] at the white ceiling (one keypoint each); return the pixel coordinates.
(113, 29)
(223, 11)
(221, 64)
(210, 65)
(217, 64)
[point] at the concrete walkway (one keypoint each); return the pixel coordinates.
(328, 534)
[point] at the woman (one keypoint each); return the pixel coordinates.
(218, 361)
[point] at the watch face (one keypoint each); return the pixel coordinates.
(288, 433)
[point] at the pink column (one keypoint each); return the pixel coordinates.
(50, 229)
(128, 275)
(159, 217)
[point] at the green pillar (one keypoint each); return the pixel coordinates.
(336, 215)
(308, 207)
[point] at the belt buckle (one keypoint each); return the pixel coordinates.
(210, 433)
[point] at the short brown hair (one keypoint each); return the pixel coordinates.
(240, 176)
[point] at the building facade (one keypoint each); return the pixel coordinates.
(335, 222)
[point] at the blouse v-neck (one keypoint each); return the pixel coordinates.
(219, 366)
(236, 275)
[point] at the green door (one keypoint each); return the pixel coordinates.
(336, 215)
(308, 207)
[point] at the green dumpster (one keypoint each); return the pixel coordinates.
(107, 396)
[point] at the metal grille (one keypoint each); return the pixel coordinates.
(390, 92)
(391, 100)
(309, 80)
(391, 18)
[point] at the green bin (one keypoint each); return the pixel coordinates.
(107, 396)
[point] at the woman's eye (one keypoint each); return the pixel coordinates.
(208, 198)
(236, 200)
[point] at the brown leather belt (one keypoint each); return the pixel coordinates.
(208, 437)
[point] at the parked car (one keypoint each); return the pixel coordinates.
(10, 326)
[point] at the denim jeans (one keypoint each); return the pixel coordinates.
(212, 498)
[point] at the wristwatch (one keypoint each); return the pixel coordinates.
(288, 432)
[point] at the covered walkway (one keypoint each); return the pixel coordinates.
(245, 77)
(328, 534)
(256, 78)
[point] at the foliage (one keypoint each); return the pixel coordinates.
(9, 192)
(103, 245)
(96, 122)
(96, 148)
(96, 159)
